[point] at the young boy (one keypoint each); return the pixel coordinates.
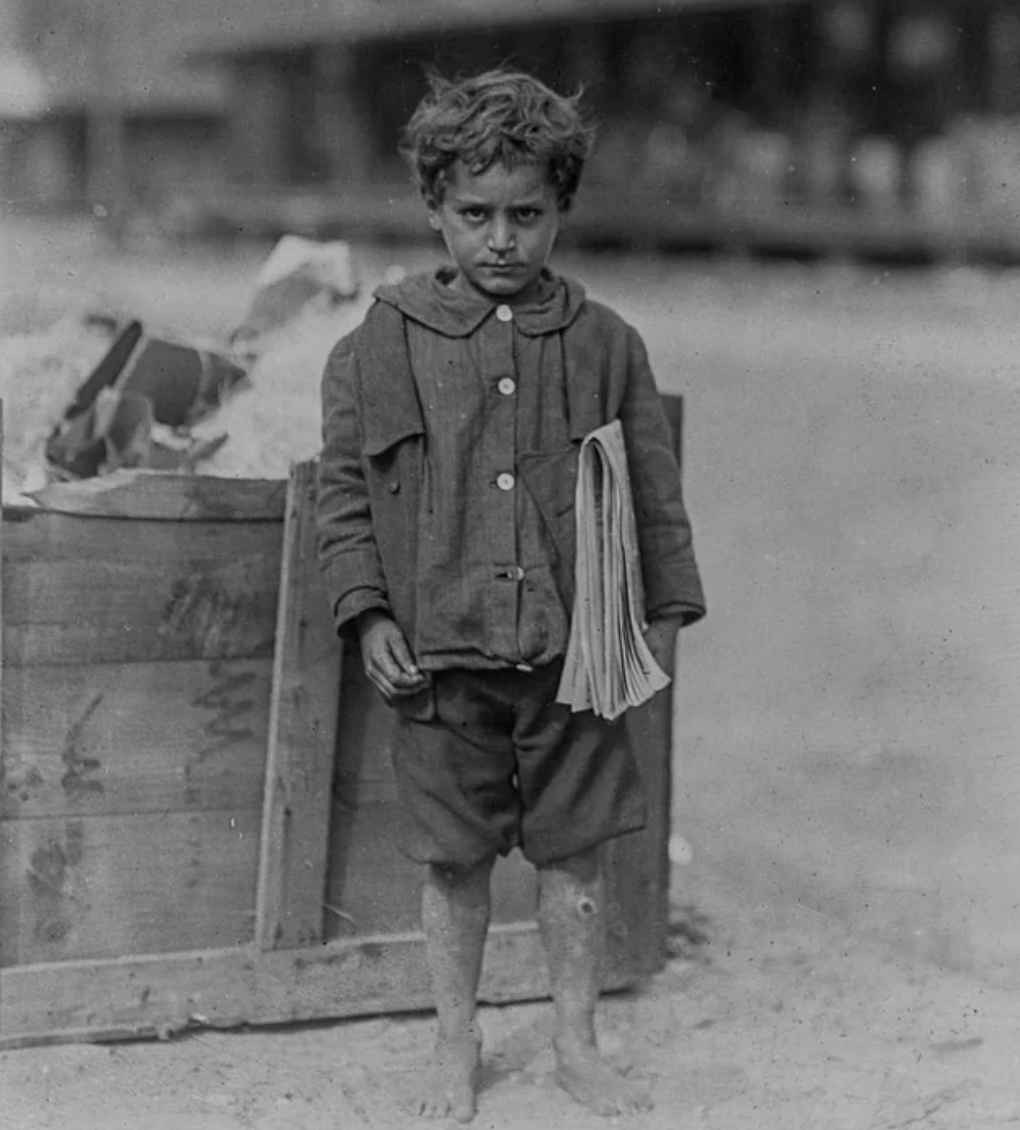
(453, 417)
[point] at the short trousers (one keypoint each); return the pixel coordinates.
(500, 764)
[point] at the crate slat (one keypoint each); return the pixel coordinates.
(42, 535)
(89, 611)
(176, 498)
(109, 886)
(303, 713)
(134, 738)
(160, 994)
(230, 987)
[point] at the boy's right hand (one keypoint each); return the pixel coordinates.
(388, 662)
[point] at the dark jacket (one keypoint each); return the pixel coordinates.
(372, 463)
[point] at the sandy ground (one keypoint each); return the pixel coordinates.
(775, 1019)
(775, 1023)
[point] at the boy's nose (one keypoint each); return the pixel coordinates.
(501, 236)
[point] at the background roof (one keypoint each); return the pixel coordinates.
(247, 25)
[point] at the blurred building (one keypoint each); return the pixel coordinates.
(121, 103)
(288, 115)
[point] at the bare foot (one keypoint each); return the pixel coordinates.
(585, 1075)
(454, 1084)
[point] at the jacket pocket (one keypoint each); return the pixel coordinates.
(551, 480)
(385, 435)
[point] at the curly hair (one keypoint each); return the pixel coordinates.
(499, 117)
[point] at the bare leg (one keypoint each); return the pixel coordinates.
(571, 915)
(455, 917)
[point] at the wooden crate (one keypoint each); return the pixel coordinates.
(195, 790)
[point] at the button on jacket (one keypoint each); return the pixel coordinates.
(446, 483)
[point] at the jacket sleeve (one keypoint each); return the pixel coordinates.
(348, 556)
(671, 578)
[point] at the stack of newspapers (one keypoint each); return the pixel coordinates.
(608, 665)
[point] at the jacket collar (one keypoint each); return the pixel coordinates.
(391, 409)
(430, 300)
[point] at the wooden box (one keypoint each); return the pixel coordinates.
(195, 789)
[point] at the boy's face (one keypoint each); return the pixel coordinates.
(499, 226)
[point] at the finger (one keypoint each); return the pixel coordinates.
(382, 672)
(382, 685)
(382, 660)
(391, 680)
(401, 655)
(410, 691)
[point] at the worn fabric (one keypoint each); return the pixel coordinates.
(487, 595)
(378, 543)
(501, 765)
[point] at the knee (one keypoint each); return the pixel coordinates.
(581, 870)
(456, 875)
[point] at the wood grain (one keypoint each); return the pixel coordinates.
(110, 886)
(39, 535)
(134, 738)
(92, 611)
(225, 988)
(302, 737)
(178, 498)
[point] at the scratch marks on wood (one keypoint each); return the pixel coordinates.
(78, 779)
(23, 785)
(218, 605)
(49, 877)
(230, 700)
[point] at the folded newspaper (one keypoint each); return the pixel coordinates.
(608, 666)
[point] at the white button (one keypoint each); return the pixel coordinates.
(505, 481)
(504, 313)
(507, 385)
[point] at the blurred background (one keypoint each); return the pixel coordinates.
(781, 124)
(809, 209)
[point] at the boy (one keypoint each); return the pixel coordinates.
(452, 420)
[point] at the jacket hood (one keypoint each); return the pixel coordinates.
(429, 298)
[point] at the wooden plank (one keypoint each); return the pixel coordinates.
(178, 498)
(147, 737)
(161, 994)
(103, 887)
(3, 550)
(637, 866)
(50, 645)
(302, 737)
(61, 612)
(40, 535)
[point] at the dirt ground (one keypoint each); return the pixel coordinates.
(775, 1022)
(763, 1019)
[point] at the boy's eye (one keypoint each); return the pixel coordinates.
(475, 215)
(528, 215)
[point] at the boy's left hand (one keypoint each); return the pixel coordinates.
(660, 636)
